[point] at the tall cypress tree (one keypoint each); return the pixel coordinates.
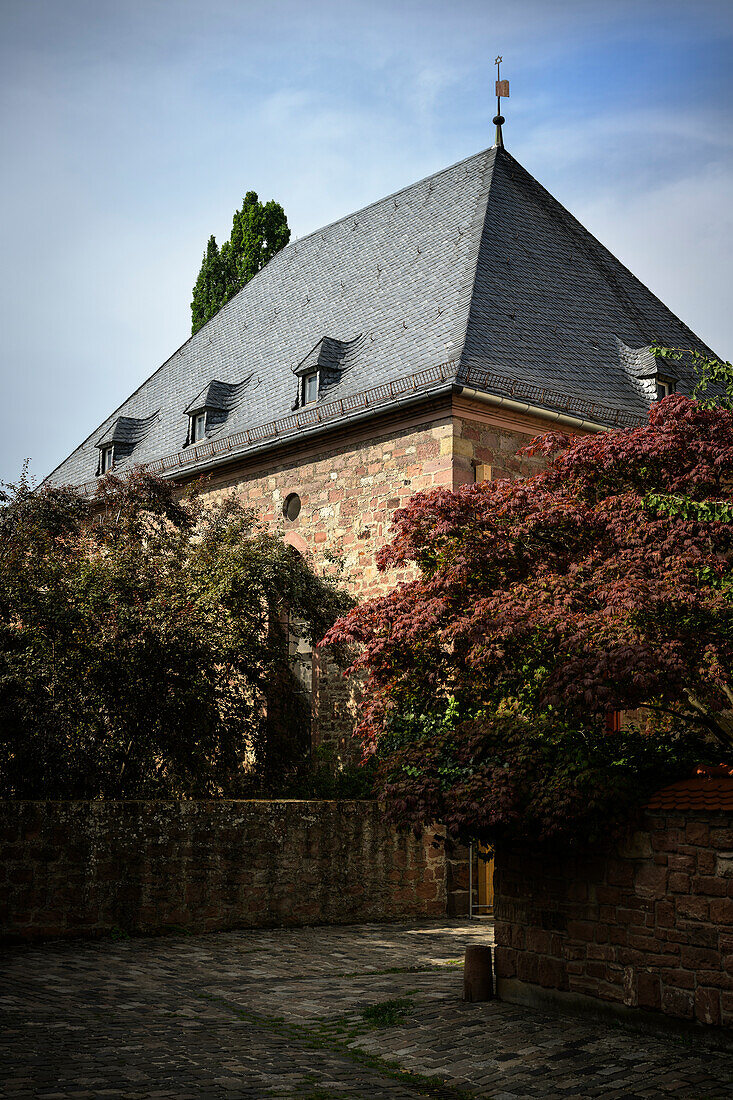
(258, 232)
(212, 287)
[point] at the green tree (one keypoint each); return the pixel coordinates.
(212, 288)
(142, 639)
(714, 386)
(259, 230)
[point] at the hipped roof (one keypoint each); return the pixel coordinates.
(474, 269)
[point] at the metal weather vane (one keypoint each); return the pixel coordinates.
(502, 89)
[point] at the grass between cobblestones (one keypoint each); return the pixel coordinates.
(389, 1013)
(338, 1033)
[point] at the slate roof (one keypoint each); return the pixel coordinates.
(474, 275)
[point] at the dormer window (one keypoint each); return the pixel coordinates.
(208, 412)
(323, 368)
(654, 375)
(198, 426)
(310, 388)
(122, 436)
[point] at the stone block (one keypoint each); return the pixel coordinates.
(650, 881)
(478, 981)
(710, 885)
(693, 957)
(695, 908)
(537, 939)
(527, 965)
(724, 865)
(679, 861)
(505, 962)
(721, 910)
(551, 973)
(581, 930)
(707, 1006)
(648, 990)
(678, 1002)
(664, 914)
(697, 832)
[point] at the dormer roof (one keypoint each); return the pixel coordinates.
(127, 430)
(330, 354)
(222, 396)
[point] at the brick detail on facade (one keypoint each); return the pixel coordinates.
(485, 450)
(349, 492)
(86, 868)
(647, 924)
(349, 489)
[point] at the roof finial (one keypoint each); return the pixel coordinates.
(502, 89)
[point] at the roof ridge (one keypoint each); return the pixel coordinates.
(477, 226)
(384, 198)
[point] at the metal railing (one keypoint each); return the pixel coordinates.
(385, 393)
(486, 379)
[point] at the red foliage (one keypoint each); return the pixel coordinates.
(603, 582)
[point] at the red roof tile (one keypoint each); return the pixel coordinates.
(710, 789)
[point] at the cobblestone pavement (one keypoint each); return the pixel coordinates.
(279, 1013)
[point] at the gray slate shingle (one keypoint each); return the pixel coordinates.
(477, 265)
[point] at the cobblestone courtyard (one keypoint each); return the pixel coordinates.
(280, 1013)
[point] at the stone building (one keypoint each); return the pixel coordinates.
(416, 343)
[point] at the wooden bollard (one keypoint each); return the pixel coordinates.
(478, 981)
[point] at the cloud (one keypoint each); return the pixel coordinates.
(677, 239)
(131, 131)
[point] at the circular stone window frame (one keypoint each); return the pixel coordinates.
(291, 507)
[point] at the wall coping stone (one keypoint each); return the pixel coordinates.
(710, 789)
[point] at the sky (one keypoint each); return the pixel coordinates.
(131, 129)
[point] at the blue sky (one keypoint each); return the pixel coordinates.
(131, 130)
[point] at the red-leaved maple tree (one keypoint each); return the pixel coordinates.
(602, 583)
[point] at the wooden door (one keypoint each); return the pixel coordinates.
(485, 877)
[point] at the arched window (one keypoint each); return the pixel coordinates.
(300, 655)
(300, 648)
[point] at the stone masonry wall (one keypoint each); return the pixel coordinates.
(483, 450)
(647, 924)
(86, 868)
(349, 490)
(348, 493)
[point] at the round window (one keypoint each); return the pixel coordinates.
(291, 507)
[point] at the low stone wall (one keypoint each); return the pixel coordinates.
(87, 868)
(646, 924)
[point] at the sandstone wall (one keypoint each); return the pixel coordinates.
(647, 924)
(348, 493)
(485, 445)
(349, 489)
(86, 868)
